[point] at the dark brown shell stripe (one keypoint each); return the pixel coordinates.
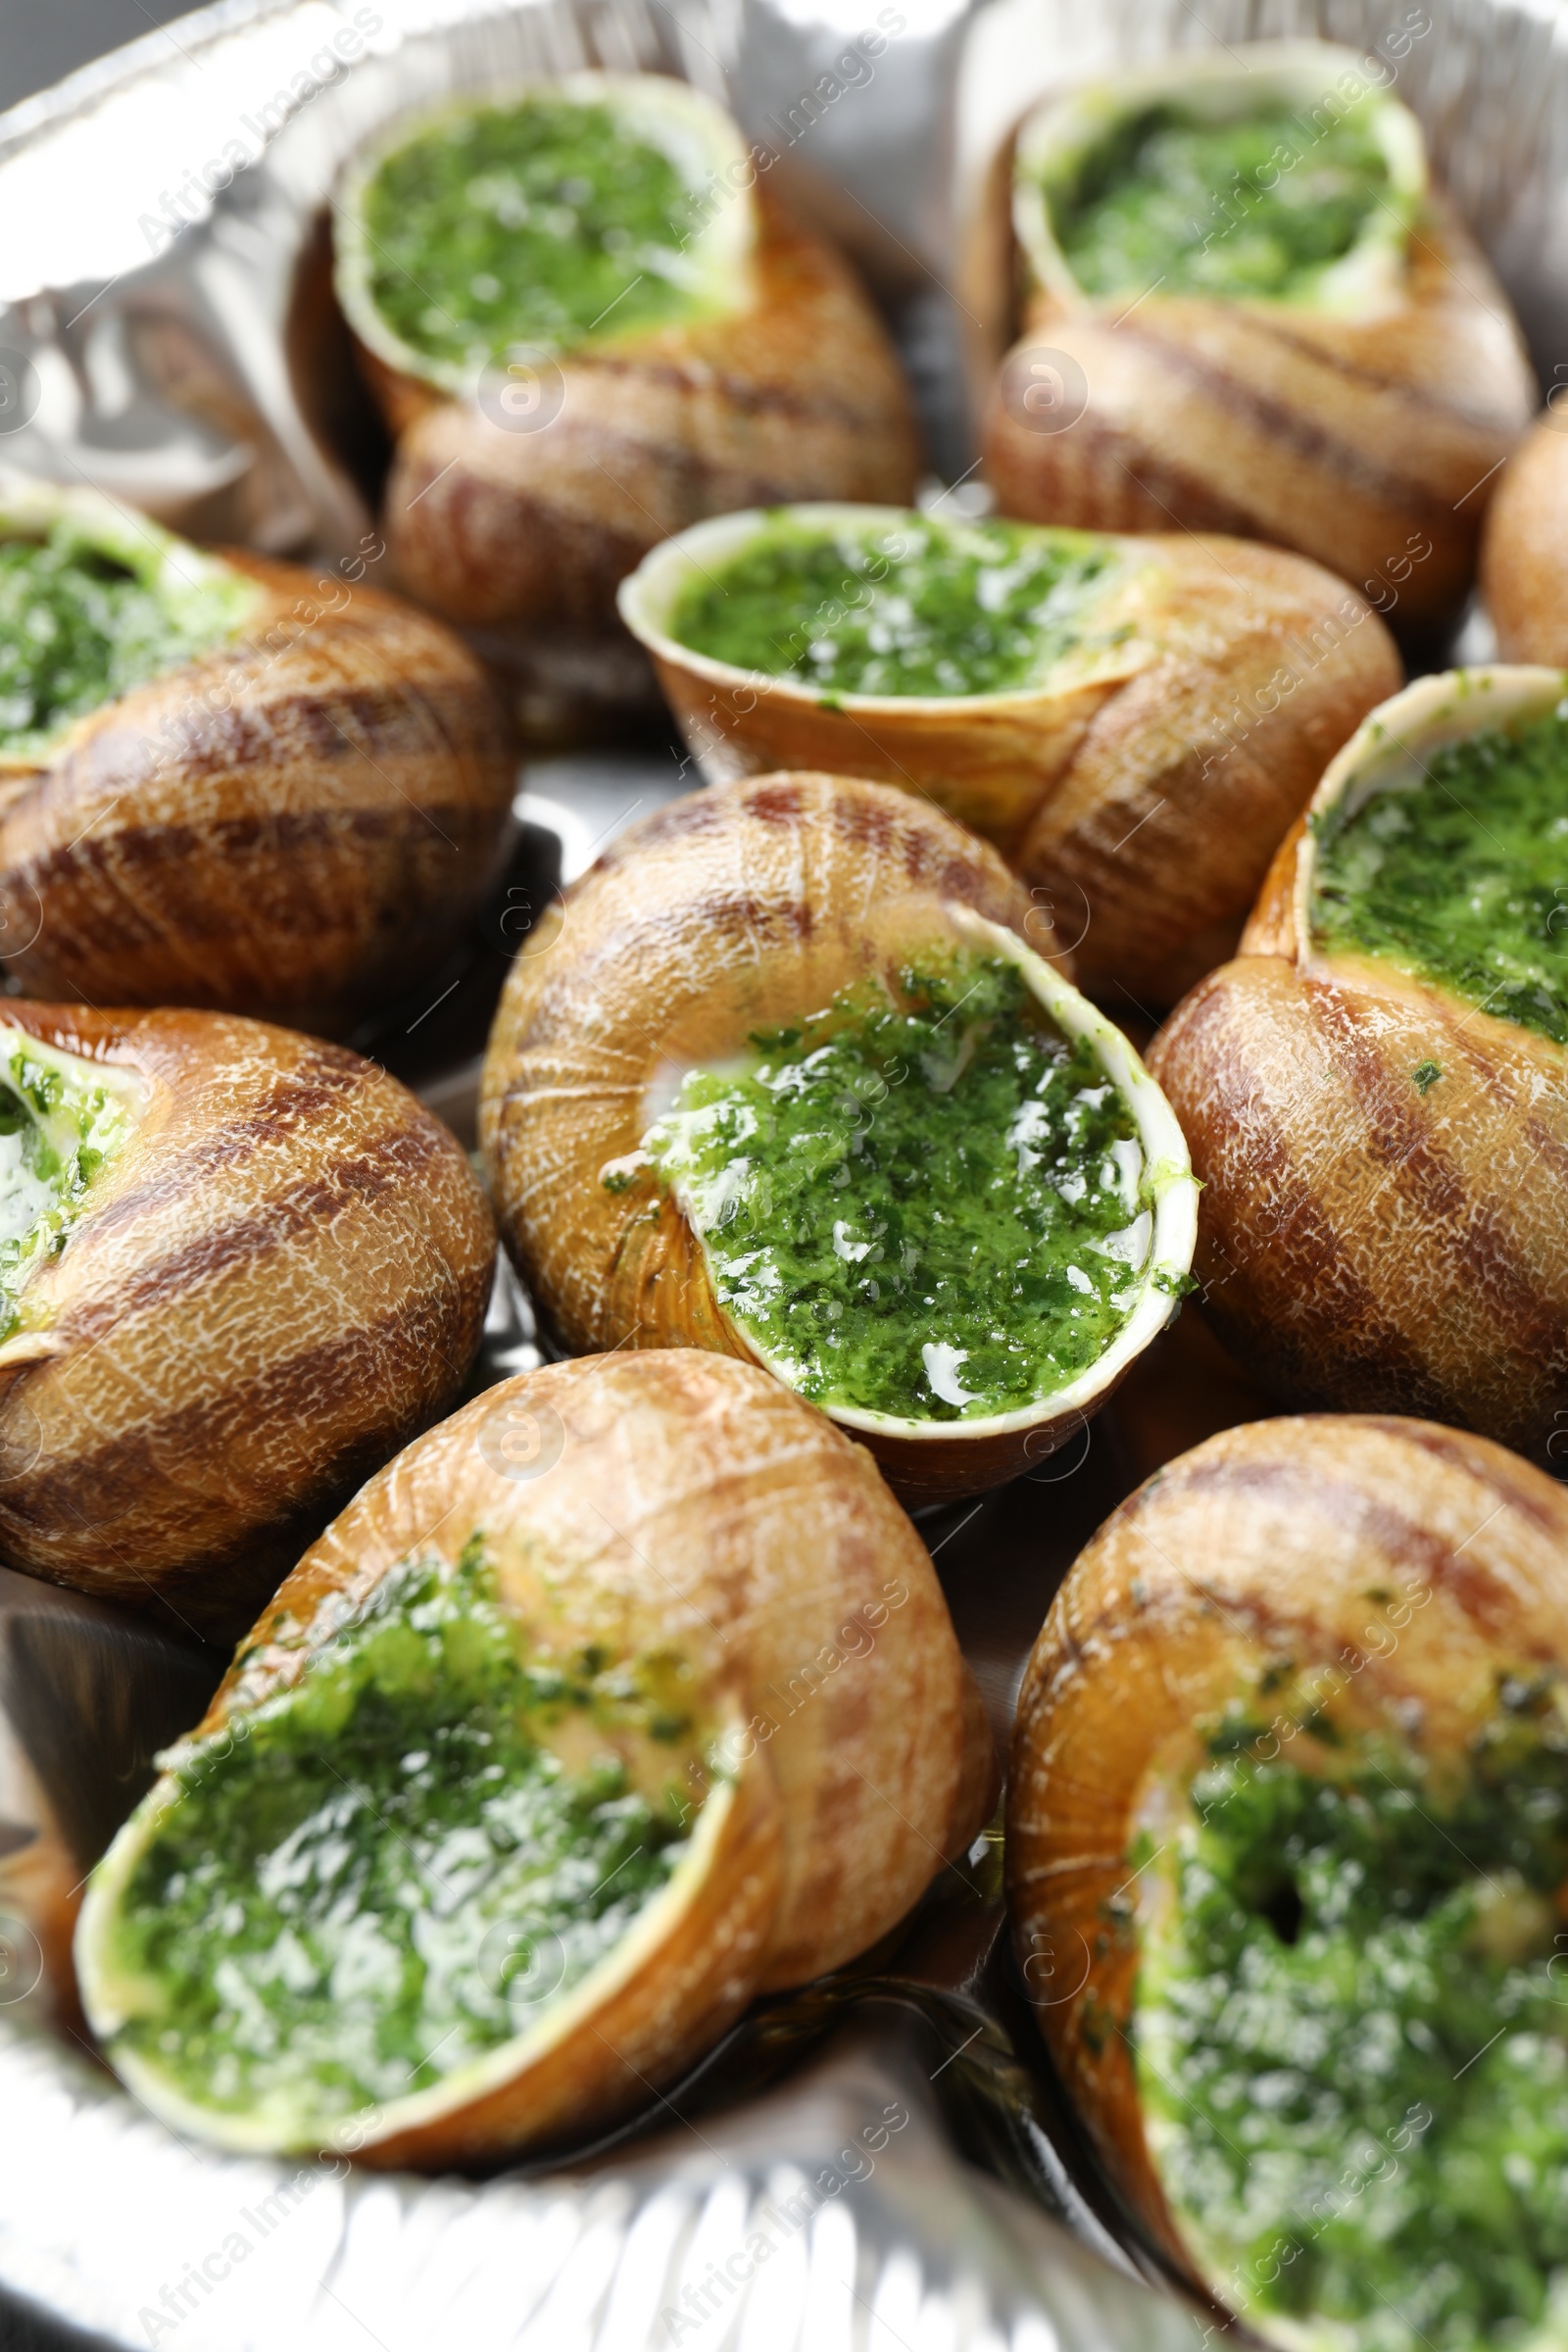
(1297, 1092)
(1293, 428)
(293, 827)
(287, 1277)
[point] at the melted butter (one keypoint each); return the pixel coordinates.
(393, 1866)
(931, 1207)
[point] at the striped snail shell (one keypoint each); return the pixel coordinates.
(744, 904)
(1392, 1573)
(1363, 1242)
(686, 1506)
(1361, 433)
(279, 1275)
(296, 823)
(517, 526)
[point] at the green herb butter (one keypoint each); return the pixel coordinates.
(87, 614)
(60, 1125)
(389, 1869)
(919, 609)
(1262, 207)
(1351, 2035)
(1460, 876)
(538, 222)
(933, 1207)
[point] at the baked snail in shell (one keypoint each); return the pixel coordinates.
(623, 1696)
(1524, 574)
(1287, 1835)
(225, 782)
(1133, 722)
(588, 325)
(237, 1267)
(1374, 1092)
(1245, 307)
(783, 1077)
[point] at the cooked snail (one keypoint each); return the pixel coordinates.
(588, 326)
(1374, 1092)
(623, 1696)
(237, 1267)
(1245, 307)
(784, 1078)
(1286, 1843)
(221, 784)
(1133, 722)
(1524, 571)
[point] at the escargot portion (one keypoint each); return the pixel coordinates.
(226, 783)
(236, 1267)
(786, 1079)
(1374, 1092)
(1287, 1841)
(1133, 722)
(536, 1771)
(589, 327)
(1247, 310)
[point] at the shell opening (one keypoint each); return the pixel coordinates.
(489, 233)
(932, 1201)
(380, 1881)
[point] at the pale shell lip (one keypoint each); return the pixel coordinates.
(1175, 1212)
(1303, 74)
(104, 1990)
(647, 596)
(1448, 707)
(653, 101)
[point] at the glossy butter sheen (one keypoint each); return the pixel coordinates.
(931, 1208)
(386, 1871)
(1351, 2037)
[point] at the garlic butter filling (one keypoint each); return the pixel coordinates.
(930, 1204)
(394, 1865)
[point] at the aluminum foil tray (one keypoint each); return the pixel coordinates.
(878, 2164)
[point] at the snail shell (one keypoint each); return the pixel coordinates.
(1142, 798)
(521, 535)
(279, 1275)
(296, 824)
(1361, 1245)
(1406, 1564)
(744, 905)
(686, 1501)
(1362, 437)
(1524, 571)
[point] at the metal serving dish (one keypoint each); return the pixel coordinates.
(879, 2162)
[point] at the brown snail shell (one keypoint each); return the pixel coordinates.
(296, 824)
(1364, 1246)
(1362, 436)
(689, 1501)
(744, 904)
(280, 1276)
(522, 536)
(1142, 792)
(1524, 570)
(1406, 1564)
